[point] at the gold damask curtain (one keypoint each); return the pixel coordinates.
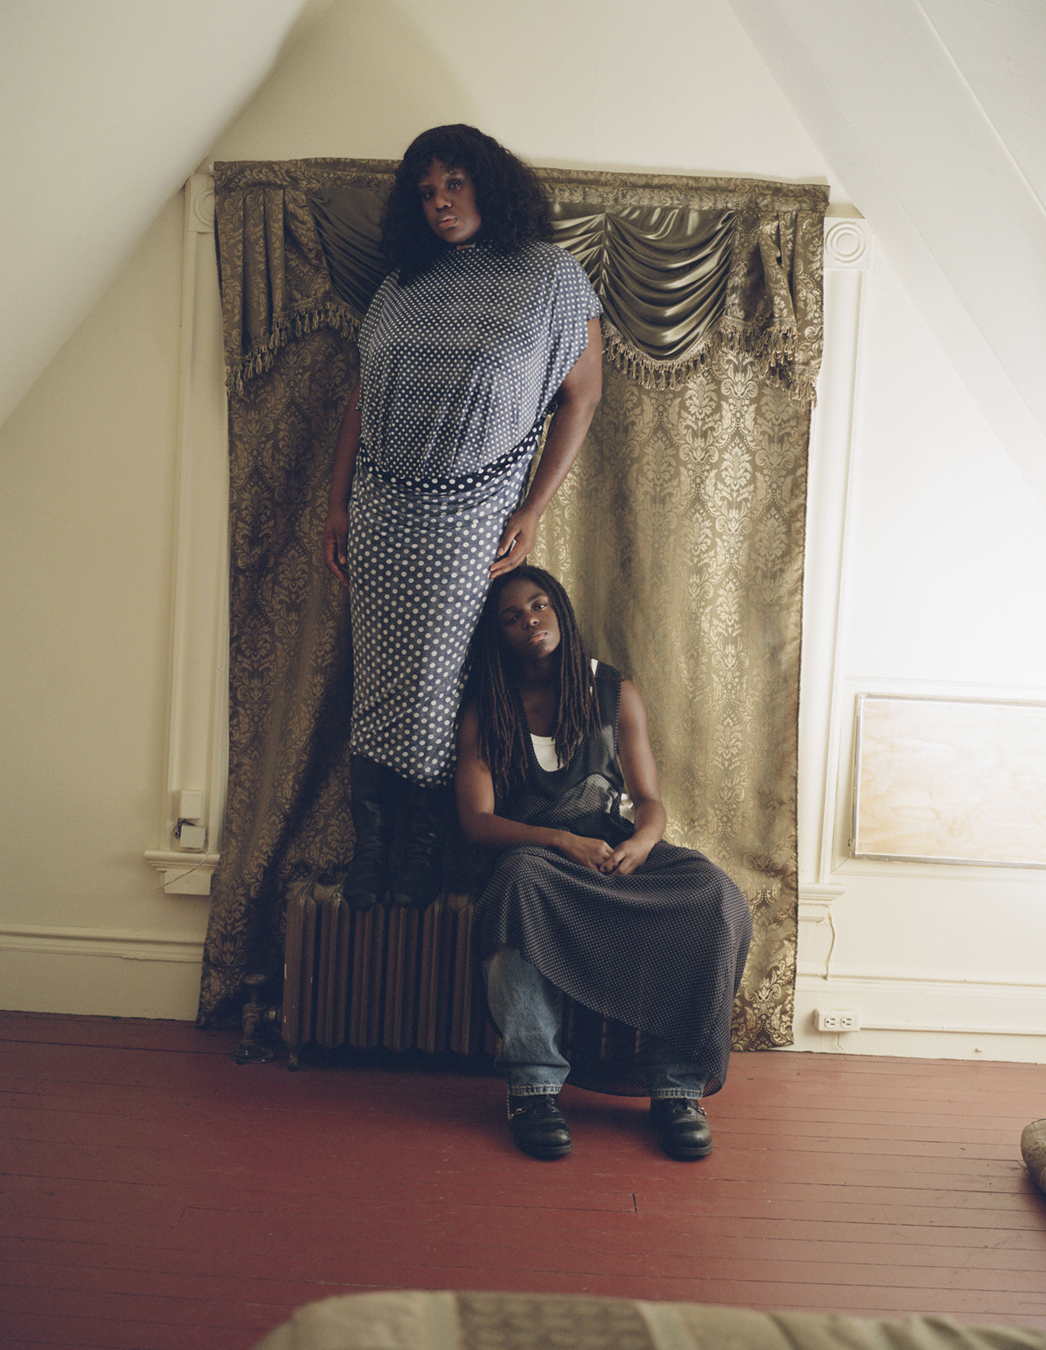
(679, 533)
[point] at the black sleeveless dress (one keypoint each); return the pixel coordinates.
(661, 950)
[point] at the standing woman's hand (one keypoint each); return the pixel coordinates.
(577, 399)
(517, 539)
(335, 543)
(336, 531)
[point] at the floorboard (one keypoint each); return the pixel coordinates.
(157, 1195)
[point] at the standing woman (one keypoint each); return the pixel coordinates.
(480, 326)
(583, 900)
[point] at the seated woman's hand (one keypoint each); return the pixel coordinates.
(580, 849)
(624, 859)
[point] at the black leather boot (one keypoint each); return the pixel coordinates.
(538, 1126)
(420, 872)
(375, 792)
(683, 1127)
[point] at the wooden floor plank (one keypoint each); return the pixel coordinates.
(115, 1032)
(42, 1198)
(103, 1163)
(614, 1253)
(40, 1329)
(57, 1125)
(192, 1246)
(158, 1195)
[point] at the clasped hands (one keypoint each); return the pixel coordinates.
(597, 853)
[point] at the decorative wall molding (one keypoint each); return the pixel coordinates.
(199, 201)
(96, 972)
(197, 740)
(847, 243)
(183, 872)
(961, 983)
(849, 254)
(126, 944)
(973, 1029)
(820, 892)
(817, 927)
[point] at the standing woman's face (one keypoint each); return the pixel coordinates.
(448, 199)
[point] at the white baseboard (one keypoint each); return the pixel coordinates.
(101, 973)
(925, 1016)
(911, 1012)
(122, 973)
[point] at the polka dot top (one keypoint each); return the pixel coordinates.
(458, 366)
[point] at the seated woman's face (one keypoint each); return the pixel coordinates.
(448, 199)
(527, 620)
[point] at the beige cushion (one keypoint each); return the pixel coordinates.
(413, 1320)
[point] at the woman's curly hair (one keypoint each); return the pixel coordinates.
(512, 201)
(493, 686)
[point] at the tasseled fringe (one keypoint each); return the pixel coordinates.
(259, 360)
(776, 350)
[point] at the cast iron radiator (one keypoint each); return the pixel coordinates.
(390, 977)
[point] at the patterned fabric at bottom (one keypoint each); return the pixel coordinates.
(410, 1319)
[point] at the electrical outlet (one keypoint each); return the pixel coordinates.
(837, 1019)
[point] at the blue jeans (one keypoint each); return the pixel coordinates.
(528, 1011)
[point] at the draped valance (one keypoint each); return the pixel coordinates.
(683, 266)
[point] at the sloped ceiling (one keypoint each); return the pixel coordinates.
(931, 112)
(106, 108)
(934, 116)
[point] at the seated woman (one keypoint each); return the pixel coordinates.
(583, 901)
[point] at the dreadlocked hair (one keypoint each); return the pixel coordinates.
(494, 686)
(511, 200)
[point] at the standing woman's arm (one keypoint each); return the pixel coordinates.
(577, 398)
(336, 533)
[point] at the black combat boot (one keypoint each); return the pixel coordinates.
(420, 871)
(683, 1127)
(375, 793)
(538, 1126)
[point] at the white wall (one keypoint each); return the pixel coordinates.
(86, 540)
(669, 85)
(926, 107)
(106, 108)
(943, 567)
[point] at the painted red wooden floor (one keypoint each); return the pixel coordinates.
(158, 1196)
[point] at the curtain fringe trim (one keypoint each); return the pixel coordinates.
(262, 355)
(775, 349)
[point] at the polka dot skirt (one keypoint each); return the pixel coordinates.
(418, 576)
